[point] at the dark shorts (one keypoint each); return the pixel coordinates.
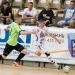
(9, 48)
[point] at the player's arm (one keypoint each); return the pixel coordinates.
(55, 38)
(18, 29)
(51, 35)
(27, 32)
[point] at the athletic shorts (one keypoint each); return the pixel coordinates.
(41, 48)
(9, 48)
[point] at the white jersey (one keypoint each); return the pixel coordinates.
(30, 13)
(41, 33)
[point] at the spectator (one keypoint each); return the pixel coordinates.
(46, 13)
(30, 14)
(6, 13)
(70, 12)
(1, 2)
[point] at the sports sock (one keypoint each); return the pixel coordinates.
(21, 55)
(1, 57)
(51, 59)
(31, 51)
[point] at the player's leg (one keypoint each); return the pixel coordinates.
(21, 49)
(52, 60)
(36, 52)
(23, 52)
(49, 56)
(6, 51)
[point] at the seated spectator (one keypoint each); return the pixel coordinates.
(1, 2)
(30, 14)
(6, 13)
(46, 13)
(69, 14)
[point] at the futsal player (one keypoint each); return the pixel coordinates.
(41, 32)
(12, 42)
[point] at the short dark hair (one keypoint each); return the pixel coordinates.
(6, 2)
(17, 16)
(73, 1)
(30, 3)
(41, 20)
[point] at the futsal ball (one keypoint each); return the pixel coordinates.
(66, 69)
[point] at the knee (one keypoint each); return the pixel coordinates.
(24, 51)
(3, 56)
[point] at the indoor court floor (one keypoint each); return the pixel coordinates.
(10, 70)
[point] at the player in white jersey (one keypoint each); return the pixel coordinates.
(41, 32)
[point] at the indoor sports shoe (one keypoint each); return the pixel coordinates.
(16, 65)
(58, 67)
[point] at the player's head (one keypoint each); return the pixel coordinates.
(6, 4)
(42, 22)
(18, 19)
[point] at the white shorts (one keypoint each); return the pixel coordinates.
(41, 48)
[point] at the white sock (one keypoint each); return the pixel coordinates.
(52, 61)
(32, 51)
(15, 62)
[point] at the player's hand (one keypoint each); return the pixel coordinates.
(59, 42)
